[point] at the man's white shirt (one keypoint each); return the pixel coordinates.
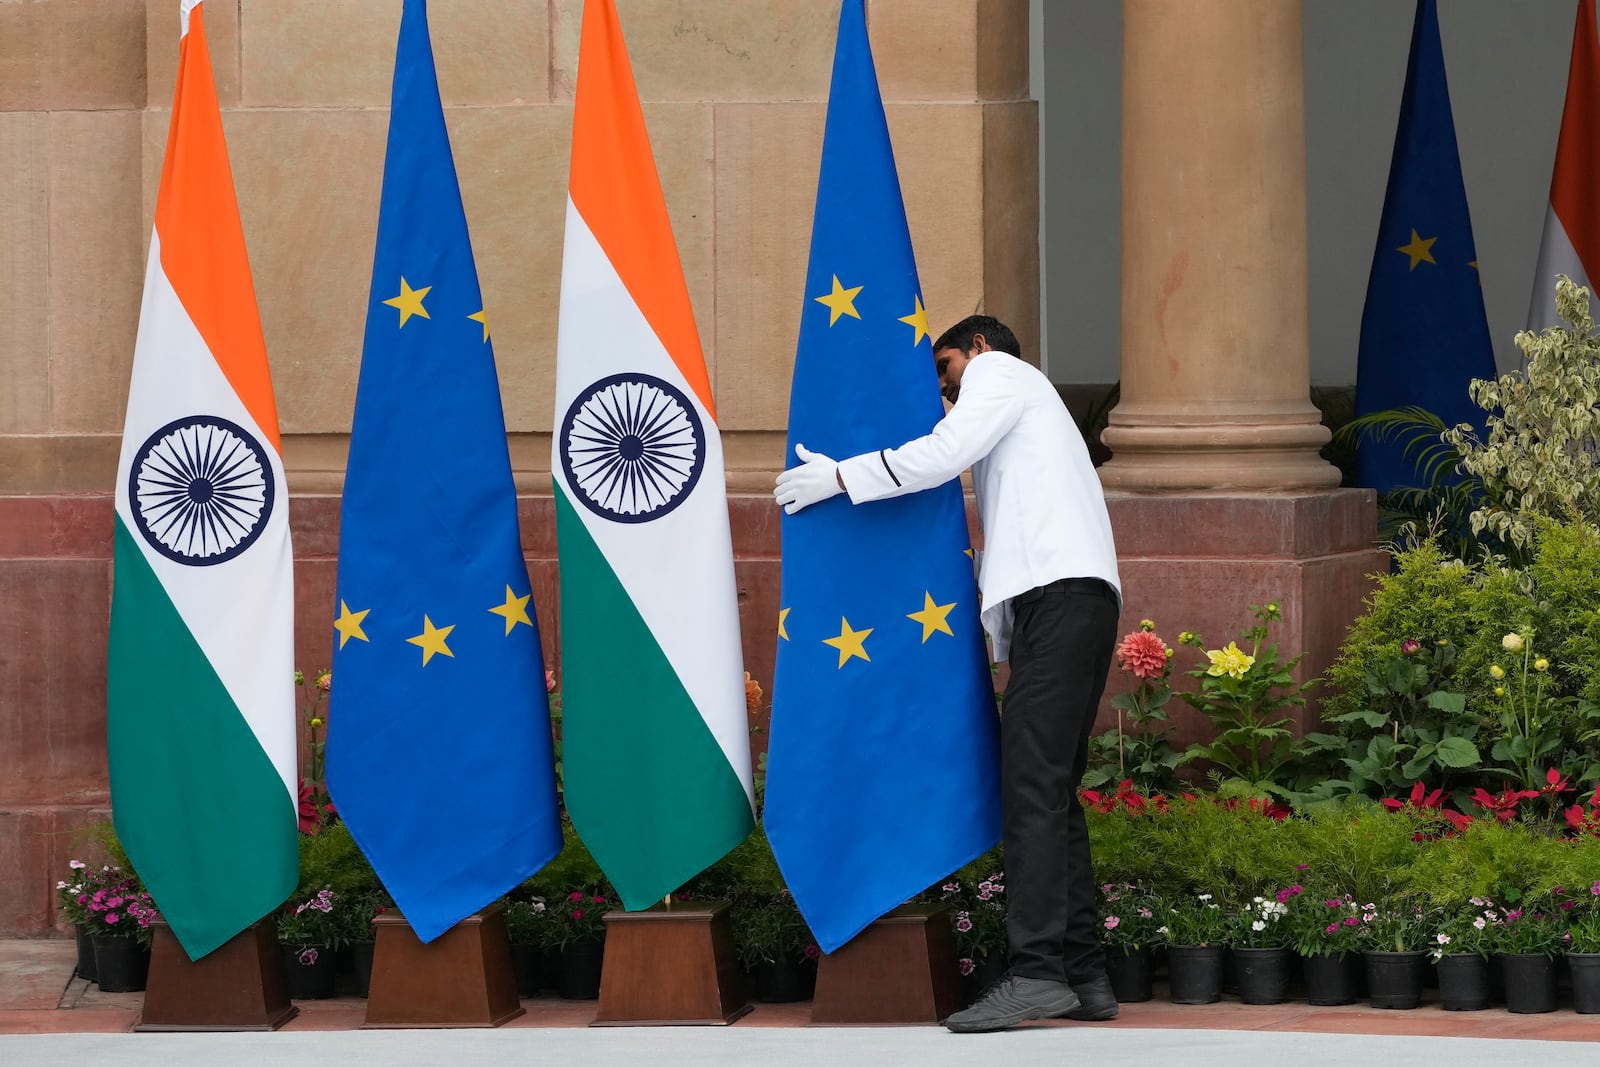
(1039, 498)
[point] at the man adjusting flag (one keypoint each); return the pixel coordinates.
(1571, 243)
(439, 752)
(1424, 334)
(200, 715)
(883, 766)
(655, 742)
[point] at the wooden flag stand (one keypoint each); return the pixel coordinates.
(461, 979)
(671, 965)
(240, 986)
(899, 970)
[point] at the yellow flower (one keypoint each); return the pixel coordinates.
(316, 721)
(1541, 664)
(1146, 625)
(1230, 661)
(1497, 672)
(1185, 637)
(1499, 690)
(1511, 642)
(1169, 651)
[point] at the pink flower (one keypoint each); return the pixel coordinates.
(1112, 922)
(577, 913)
(813, 952)
(549, 681)
(112, 918)
(1143, 654)
(966, 966)
(308, 957)
(952, 887)
(574, 896)
(79, 865)
(597, 900)
(1353, 921)
(1332, 928)
(963, 925)
(1408, 646)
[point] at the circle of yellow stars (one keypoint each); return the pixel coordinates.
(1420, 250)
(434, 639)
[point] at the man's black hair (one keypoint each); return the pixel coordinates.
(997, 333)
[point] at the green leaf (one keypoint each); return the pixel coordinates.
(1457, 753)
(1449, 703)
(1375, 719)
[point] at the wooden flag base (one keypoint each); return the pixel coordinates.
(461, 979)
(671, 965)
(899, 970)
(239, 986)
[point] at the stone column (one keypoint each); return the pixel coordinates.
(1217, 493)
(1215, 363)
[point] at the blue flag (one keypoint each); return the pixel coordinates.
(883, 763)
(439, 752)
(1424, 334)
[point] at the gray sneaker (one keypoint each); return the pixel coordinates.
(1013, 1000)
(1096, 1001)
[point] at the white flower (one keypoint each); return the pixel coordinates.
(78, 865)
(1204, 896)
(1444, 939)
(1256, 900)
(61, 885)
(1258, 925)
(1479, 924)
(1162, 930)
(1511, 642)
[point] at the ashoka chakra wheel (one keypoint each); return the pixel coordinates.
(200, 490)
(632, 447)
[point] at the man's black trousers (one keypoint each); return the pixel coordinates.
(1062, 639)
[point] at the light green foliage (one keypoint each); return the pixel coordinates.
(1500, 861)
(331, 859)
(1543, 428)
(573, 870)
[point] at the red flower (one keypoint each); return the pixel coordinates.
(1556, 783)
(1420, 798)
(574, 896)
(1143, 654)
(577, 913)
(1503, 806)
(310, 821)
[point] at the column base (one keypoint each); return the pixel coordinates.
(238, 986)
(1279, 452)
(1198, 560)
(670, 965)
(900, 970)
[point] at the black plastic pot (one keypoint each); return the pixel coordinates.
(1530, 982)
(1332, 979)
(1585, 970)
(121, 964)
(1194, 974)
(784, 981)
(1464, 982)
(528, 964)
(85, 969)
(1132, 972)
(1262, 974)
(312, 971)
(1394, 979)
(580, 970)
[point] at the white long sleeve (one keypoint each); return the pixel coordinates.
(986, 411)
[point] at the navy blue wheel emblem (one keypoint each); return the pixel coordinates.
(200, 490)
(632, 446)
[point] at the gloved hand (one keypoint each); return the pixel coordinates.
(815, 480)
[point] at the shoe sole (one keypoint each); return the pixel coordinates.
(989, 1026)
(1103, 1015)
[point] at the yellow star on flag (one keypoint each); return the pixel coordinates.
(349, 624)
(933, 617)
(514, 610)
(783, 617)
(1418, 249)
(849, 642)
(409, 301)
(840, 302)
(431, 640)
(968, 553)
(918, 321)
(483, 317)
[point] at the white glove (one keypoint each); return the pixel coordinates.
(815, 480)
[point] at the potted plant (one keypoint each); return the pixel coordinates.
(776, 948)
(1197, 931)
(1261, 951)
(1528, 944)
(72, 897)
(1395, 934)
(310, 930)
(582, 937)
(978, 913)
(534, 929)
(364, 907)
(1461, 941)
(118, 915)
(1327, 932)
(1131, 926)
(1583, 954)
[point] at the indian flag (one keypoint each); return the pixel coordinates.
(1571, 243)
(655, 741)
(200, 715)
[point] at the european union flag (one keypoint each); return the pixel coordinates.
(1424, 334)
(439, 753)
(883, 763)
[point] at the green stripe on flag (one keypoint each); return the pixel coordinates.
(206, 821)
(648, 788)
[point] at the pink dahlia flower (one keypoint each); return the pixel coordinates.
(1144, 654)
